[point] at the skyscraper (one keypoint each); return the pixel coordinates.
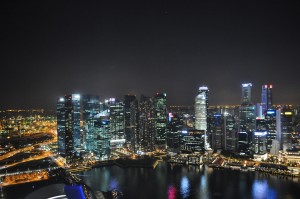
(201, 106)
(61, 126)
(266, 97)
(246, 94)
(270, 117)
(174, 130)
(116, 118)
(90, 108)
(146, 124)
(160, 111)
(128, 99)
(68, 128)
(247, 117)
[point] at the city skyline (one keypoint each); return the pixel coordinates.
(116, 48)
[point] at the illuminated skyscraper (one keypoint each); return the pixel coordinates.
(266, 97)
(201, 106)
(68, 128)
(270, 117)
(160, 111)
(61, 126)
(247, 118)
(134, 125)
(127, 109)
(90, 108)
(246, 94)
(116, 118)
(174, 131)
(146, 124)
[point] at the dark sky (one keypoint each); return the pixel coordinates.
(110, 48)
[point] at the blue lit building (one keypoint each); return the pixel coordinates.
(266, 97)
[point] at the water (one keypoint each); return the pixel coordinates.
(190, 182)
(166, 182)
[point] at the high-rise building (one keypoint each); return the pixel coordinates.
(266, 97)
(90, 109)
(68, 119)
(201, 111)
(230, 132)
(160, 111)
(116, 118)
(134, 126)
(247, 118)
(174, 131)
(216, 131)
(102, 138)
(61, 126)
(285, 127)
(270, 118)
(128, 99)
(146, 124)
(246, 94)
(260, 142)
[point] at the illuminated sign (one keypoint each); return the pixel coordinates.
(271, 112)
(288, 113)
(118, 141)
(260, 133)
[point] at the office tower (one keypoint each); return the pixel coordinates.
(246, 93)
(160, 111)
(230, 133)
(260, 142)
(216, 131)
(259, 111)
(266, 97)
(246, 121)
(128, 99)
(270, 118)
(174, 129)
(201, 106)
(285, 127)
(68, 128)
(116, 118)
(61, 126)
(102, 138)
(146, 125)
(260, 124)
(134, 126)
(90, 109)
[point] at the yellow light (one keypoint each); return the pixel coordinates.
(288, 113)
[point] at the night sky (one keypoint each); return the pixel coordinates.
(111, 48)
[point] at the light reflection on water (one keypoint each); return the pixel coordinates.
(172, 192)
(261, 190)
(113, 184)
(188, 182)
(185, 187)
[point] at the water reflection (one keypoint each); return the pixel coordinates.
(261, 189)
(113, 184)
(185, 187)
(172, 192)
